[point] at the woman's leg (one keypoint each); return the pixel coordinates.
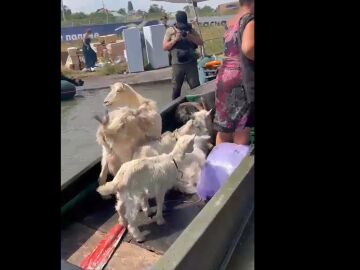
(222, 137)
(242, 137)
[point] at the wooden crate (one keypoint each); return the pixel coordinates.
(110, 39)
(72, 51)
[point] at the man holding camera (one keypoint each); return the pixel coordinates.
(182, 41)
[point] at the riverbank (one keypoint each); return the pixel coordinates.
(146, 77)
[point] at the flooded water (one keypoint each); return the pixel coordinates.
(78, 126)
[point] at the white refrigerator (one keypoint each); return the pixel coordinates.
(133, 49)
(154, 36)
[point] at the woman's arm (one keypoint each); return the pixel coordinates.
(84, 40)
(248, 40)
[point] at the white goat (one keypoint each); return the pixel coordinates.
(192, 164)
(198, 125)
(122, 94)
(156, 147)
(144, 178)
(120, 134)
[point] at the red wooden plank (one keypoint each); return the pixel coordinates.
(106, 247)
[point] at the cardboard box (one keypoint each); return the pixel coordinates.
(95, 46)
(72, 51)
(64, 56)
(72, 62)
(101, 39)
(110, 39)
(116, 48)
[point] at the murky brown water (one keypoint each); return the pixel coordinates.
(78, 126)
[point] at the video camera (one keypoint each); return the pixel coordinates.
(184, 33)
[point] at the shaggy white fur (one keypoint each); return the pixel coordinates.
(149, 123)
(120, 134)
(192, 164)
(198, 125)
(144, 178)
(122, 94)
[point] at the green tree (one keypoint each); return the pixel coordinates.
(122, 11)
(78, 15)
(187, 9)
(100, 18)
(206, 11)
(155, 9)
(130, 7)
(67, 11)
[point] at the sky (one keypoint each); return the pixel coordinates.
(88, 6)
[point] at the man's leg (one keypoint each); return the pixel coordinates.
(192, 75)
(178, 76)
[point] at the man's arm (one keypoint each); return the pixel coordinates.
(194, 37)
(167, 45)
(170, 39)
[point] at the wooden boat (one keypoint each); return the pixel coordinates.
(197, 235)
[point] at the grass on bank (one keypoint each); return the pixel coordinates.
(213, 39)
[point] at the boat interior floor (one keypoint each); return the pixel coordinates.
(82, 234)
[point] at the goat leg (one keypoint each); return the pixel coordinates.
(135, 233)
(120, 208)
(159, 208)
(104, 171)
(145, 207)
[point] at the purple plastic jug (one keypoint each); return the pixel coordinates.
(219, 165)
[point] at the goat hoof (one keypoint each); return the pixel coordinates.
(150, 212)
(160, 221)
(140, 239)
